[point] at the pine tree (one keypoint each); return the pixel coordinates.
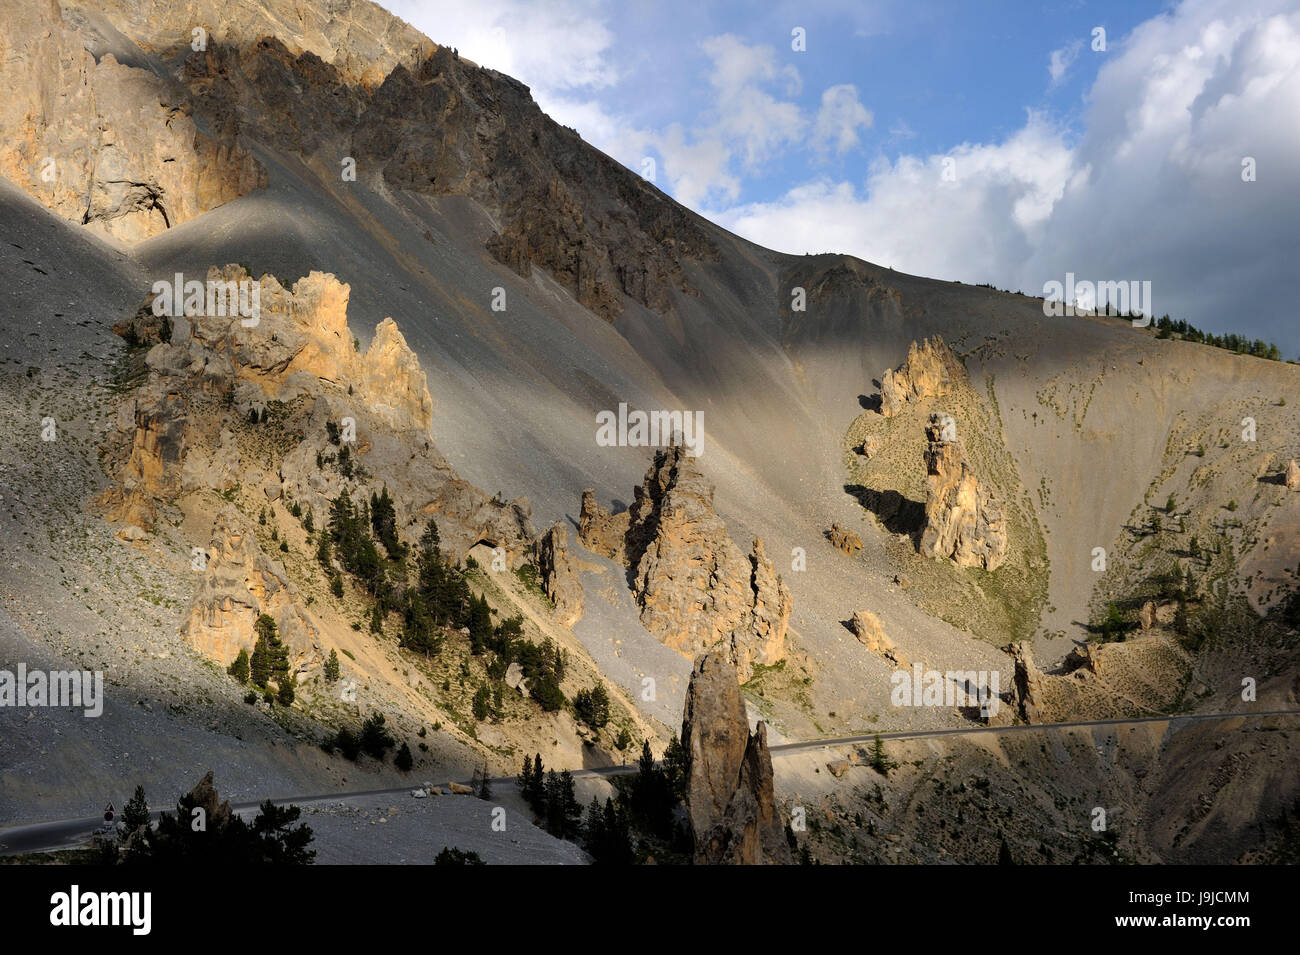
(593, 830)
(481, 698)
(485, 785)
(277, 651)
(332, 667)
(403, 760)
(287, 690)
(570, 811)
(239, 668)
(535, 789)
(616, 846)
(480, 624)
(259, 666)
(880, 761)
(383, 519)
(135, 814)
(676, 765)
(375, 738)
(525, 777)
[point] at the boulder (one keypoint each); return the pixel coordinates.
(601, 532)
(204, 796)
(870, 446)
(866, 627)
(844, 539)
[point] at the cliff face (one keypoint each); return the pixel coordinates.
(239, 584)
(106, 144)
(696, 588)
(963, 520)
(729, 789)
(323, 82)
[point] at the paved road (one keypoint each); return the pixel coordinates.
(69, 833)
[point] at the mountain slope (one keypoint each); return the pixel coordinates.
(466, 195)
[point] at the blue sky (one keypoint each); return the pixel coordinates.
(986, 142)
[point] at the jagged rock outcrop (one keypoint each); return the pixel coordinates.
(930, 371)
(1027, 682)
(1292, 479)
(298, 352)
(104, 143)
(601, 231)
(696, 588)
(204, 796)
(560, 575)
(845, 539)
(239, 584)
(1147, 615)
(601, 532)
(392, 382)
(730, 796)
(963, 519)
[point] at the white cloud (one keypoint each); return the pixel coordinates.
(754, 120)
(1150, 188)
(1059, 63)
(557, 47)
(911, 217)
(838, 120)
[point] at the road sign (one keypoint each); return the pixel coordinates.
(109, 813)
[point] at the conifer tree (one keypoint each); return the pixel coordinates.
(135, 814)
(287, 690)
(259, 665)
(239, 667)
(403, 760)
